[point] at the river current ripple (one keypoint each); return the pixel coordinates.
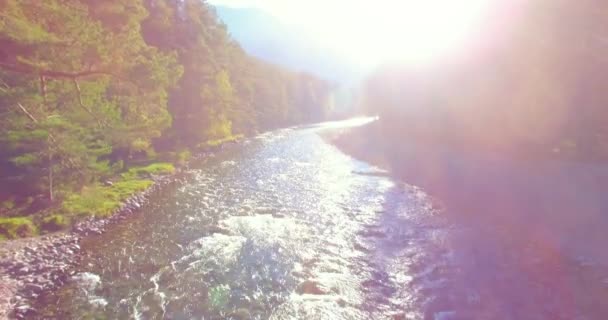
(285, 226)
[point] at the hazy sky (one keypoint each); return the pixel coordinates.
(373, 32)
(292, 11)
(276, 7)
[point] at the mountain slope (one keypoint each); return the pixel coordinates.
(268, 38)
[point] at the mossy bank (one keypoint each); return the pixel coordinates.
(98, 200)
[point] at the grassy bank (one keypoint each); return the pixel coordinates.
(95, 200)
(100, 199)
(217, 142)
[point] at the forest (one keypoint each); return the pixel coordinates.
(98, 96)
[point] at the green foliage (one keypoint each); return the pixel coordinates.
(157, 168)
(219, 129)
(153, 169)
(140, 144)
(223, 91)
(183, 156)
(7, 205)
(180, 157)
(55, 222)
(102, 201)
(89, 88)
(59, 130)
(91, 202)
(25, 159)
(217, 142)
(218, 296)
(12, 228)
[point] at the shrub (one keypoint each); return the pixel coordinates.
(217, 142)
(183, 156)
(54, 222)
(155, 168)
(12, 228)
(7, 205)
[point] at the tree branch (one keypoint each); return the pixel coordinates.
(77, 87)
(43, 88)
(27, 113)
(5, 85)
(51, 137)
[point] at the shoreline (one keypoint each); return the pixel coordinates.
(33, 265)
(559, 204)
(30, 266)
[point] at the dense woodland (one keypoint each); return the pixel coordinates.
(93, 90)
(532, 84)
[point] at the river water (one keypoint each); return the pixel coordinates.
(285, 226)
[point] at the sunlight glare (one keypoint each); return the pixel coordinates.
(370, 33)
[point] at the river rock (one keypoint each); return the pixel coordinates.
(220, 230)
(23, 271)
(311, 287)
(33, 288)
(240, 314)
(24, 311)
(399, 316)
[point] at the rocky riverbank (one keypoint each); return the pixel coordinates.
(30, 266)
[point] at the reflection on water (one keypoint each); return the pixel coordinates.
(284, 226)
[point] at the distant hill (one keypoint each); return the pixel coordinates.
(268, 38)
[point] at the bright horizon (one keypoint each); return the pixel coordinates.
(408, 31)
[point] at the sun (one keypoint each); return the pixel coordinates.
(373, 32)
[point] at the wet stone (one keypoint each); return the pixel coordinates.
(399, 316)
(220, 230)
(33, 288)
(240, 314)
(23, 271)
(311, 287)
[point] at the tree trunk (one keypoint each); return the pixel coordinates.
(51, 192)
